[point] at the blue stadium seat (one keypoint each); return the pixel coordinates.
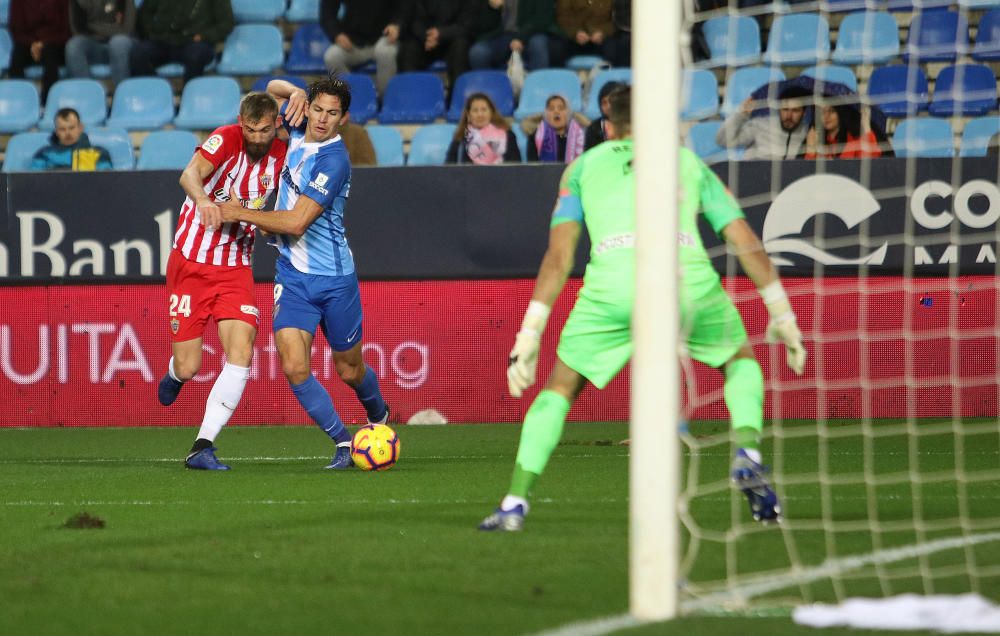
(413, 98)
(522, 142)
(917, 5)
(303, 11)
(798, 39)
(4, 12)
(699, 94)
(732, 40)
(923, 137)
(208, 102)
(388, 145)
(833, 73)
(541, 84)
(584, 62)
(21, 148)
(19, 106)
(701, 139)
(744, 81)
(899, 90)
(87, 96)
(252, 49)
(593, 108)
(167, 150)
(979, 4)
(430, 145)
(118, 144)
(867, 37)
(6, 46)
(258, 10)
(261, 84)
(142, 103)
(493, 83)
(305, 54)
(969, 90)
(937, 36)
(977, 134)
(841, 6)
(364, 102)
(987, 46)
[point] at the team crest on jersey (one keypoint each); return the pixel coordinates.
(212, 144)
(265, 181)
(175, 325)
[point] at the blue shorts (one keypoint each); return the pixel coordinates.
(302, 301)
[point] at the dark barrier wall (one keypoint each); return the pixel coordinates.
(925, 218)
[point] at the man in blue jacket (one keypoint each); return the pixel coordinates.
(70, 147)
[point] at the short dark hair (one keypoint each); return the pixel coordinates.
(606, 89)
(256, 106)
(620, 113)
(64, 113)
(332, 85)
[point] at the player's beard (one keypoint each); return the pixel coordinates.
(256, 152)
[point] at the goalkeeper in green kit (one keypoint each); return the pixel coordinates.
(599, 189)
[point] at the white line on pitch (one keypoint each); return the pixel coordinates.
(132, 460)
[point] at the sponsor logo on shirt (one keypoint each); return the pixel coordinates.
(212, 144)
(286, 176)
(319, 188)
(618, 241)
(321, 179)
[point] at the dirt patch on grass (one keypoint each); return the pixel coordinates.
(84, 520)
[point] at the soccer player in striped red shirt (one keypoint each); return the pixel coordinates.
(209, 270)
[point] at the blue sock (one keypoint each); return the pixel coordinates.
(317, 403)
(371, 395)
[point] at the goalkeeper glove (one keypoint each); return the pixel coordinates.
(783, 326)
(523, 360)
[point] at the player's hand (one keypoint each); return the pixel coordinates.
(516, 45)
(295, 111)
(582, 37)
(391, 33)
(344, 42)
(211, 215)
(522, 363)
(597, 37)
(785, 329)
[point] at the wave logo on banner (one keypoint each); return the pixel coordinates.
(808, 197)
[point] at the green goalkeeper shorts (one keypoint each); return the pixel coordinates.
(597, 339)
(711, 328)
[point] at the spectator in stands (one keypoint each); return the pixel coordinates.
(588, 28)
(483, 136)
(621, 46)
(359, 146)
(102, 34)
(39, 29)
(70, 148)
(776, 135)
(559, 135)
(597, 130)
(183, 31)
(504, 26)
(369, 31)
(438, 30)
(847, 134)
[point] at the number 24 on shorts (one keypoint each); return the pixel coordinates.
(180, 305)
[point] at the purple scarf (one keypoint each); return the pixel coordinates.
(547, 141)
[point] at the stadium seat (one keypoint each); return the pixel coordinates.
(867, 37)
(142, 103)
(252, 49)
(261, 84)
(167, 150)
(977, 134)
(493, 83)
(208, 102)
(899, 90)
(19, 106)
(6, 46)
(302, 11)
(388, 145)
(118, 144)
(969, 90)
(4, 12)
(744, 81)
(584, 62)
(798, 39)
(987, 46)
(87, 96)
(430, 145)
(841, 6)
(917, 5)
(937, 36)
(413, 98)
(923, 137)
(593, 108)
(541, 84)
(258, 10)
(522, 142)
(701, 140)
(699, 95)
(364, 103)
(21, 148)
(732, 40)
(979, 4)
(305, 54)
(833, 73)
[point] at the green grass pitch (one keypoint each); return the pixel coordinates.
(278, 545)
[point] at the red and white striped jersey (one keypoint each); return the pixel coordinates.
(232, 244)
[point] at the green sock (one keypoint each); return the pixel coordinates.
(543, 426)
(744, 395)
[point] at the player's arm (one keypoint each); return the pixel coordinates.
(192, 181)
(292, 222)
(564, 235)
(284, 91)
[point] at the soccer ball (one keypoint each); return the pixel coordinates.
(375, 447)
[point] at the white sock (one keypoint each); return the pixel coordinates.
(510, 501)
(347, 444)
(223, 399)
(170, 370)
(753, 454)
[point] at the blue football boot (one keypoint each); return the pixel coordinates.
(504, 520)
(383, 419)
(749, 477)
(205, 459)
(168, 390)
(341, 460)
